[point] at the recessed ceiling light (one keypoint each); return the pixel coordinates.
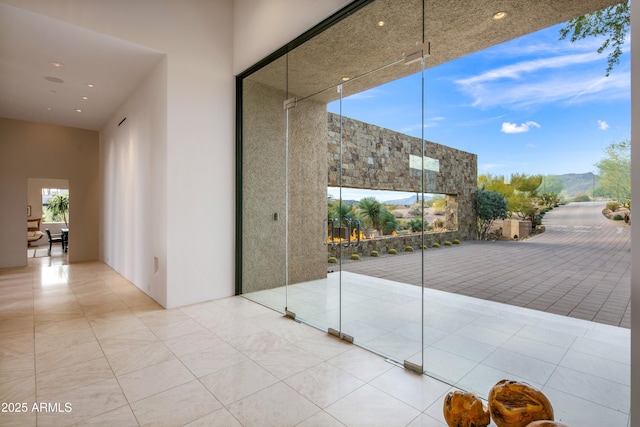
(380, 23)
(89, 85)
(499, 15)
(48, 108)
(78, 110)
(84, 97)
(54, 79)
(57, 64)
(344, 79)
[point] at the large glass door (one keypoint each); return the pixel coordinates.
(380, 161)
(321, 143)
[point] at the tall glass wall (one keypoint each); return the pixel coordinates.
(298, 141)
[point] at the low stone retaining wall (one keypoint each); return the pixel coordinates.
(399, 243)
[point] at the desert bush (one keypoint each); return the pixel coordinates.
(408, 249)
(423, 246)
(392, 251)
(456, 241)
(332, 260)
(355, 257)
(582, 198)
(435, 245)
(618, 217)
(613, 206)
(374, 253)
(447, 243)
(416, 211)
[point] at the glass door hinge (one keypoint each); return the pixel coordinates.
(290, 103)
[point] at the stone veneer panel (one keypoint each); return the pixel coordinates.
(378, 159)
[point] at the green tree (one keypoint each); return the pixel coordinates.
(388, 222)
(613, 23)
(526, 183)
(495, 183)
(59, 208)
(615, 173)
(490, 206)
(371, 210)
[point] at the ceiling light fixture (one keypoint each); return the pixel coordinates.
(84, 97)
(499, 15)
(89, 85)
(78, 110)
(57, 64)
(344, 79)
(380, 23)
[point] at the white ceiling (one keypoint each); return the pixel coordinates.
(29, 42)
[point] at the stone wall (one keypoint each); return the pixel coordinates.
(380, 159)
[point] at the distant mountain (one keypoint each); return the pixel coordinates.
(578, 183)
(408, 201)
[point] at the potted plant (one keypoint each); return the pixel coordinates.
(59, 207)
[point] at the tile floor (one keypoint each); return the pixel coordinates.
(472, 344)
(89, 348)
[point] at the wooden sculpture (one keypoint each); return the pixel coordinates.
(463, 409)
(517, 404)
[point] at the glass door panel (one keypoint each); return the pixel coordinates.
(382, 149)
(312, 291)
(264, 181)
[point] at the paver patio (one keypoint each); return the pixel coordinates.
(579, 267)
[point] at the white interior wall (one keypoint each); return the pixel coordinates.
(29, 149)
(133, 182)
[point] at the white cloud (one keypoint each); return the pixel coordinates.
(515, 71)
(571, 75)
(508, 127)
(602, 125)
(429, 123)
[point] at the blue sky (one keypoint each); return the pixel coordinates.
(533, 105)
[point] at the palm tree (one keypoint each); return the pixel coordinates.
(371, 209)
(59, 206)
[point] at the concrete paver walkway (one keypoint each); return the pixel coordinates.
(579, 267)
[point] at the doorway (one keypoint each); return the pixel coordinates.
(42, 194)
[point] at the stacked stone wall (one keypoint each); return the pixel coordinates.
(381, 159)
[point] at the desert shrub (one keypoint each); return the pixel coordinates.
(435, 245)
(582, 198)
(456, 241)
(374, 253)
(618, 217)
(392, 251)
(447, 243)
(613, 206)
(355, 257)
(416, 211)
(398, 214)
(332, 260)
(423, 246)
(416, 224)
(409, 249)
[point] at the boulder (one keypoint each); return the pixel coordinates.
(546, 423)
(517, 404)
(463, 409)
